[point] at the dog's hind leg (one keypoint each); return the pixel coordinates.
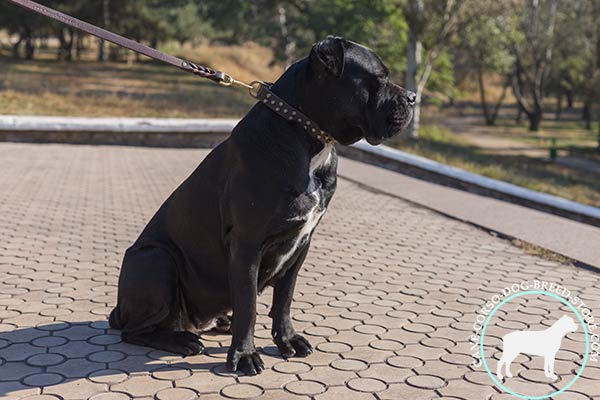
(507, 359)
(549, 366)
(499, 368)
(148, 308)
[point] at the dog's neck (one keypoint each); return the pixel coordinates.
(288, 87)
(557, 327)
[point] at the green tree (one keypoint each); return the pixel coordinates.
(432, 27)
(533, 51)
(485, 44)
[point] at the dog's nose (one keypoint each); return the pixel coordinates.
(411, 97)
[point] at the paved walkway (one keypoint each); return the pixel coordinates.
(572, 239)
(388, 295)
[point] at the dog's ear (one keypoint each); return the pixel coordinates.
(327, 57)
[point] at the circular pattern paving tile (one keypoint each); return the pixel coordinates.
(334, 347)
(426, 381)
(176, 394)
(349, 364)
(40, 380)
(171, 373)
(386, 344)
(306, 387)
(457, 359)
(370, 329)
(108, 376)
(324, 331)
(242, 391)
(49, 341)
(405, 362)
(292, 367)
(110, 396)
(367, 385)
(45, 360)
(106, 356)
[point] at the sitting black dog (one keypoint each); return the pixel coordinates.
(245, 217)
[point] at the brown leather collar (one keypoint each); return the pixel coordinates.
(262, 92)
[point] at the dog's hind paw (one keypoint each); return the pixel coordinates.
(223, 324)
(179, 342)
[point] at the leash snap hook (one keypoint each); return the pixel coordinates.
(227, 80)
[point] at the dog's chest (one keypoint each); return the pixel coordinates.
(308, 208)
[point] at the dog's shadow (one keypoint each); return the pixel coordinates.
(66, 352)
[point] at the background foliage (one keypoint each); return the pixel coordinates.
(536, 48)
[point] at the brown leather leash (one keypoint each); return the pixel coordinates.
(257, 89)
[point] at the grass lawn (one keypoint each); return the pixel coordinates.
(442, 145)
(143, 89)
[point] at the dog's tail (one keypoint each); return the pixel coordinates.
(113, 320)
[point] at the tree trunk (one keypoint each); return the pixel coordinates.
(16, 49)
(412, 68)
(519, 117)
(559, 98)
(587, 114)
(78, 45)
(570, 97)
(535, 119)
(598, 147)
(69, 48)
(494, 113)
(490, 116)
(484, 105)
(29, 48)
(62, 43)
(287, 43)
(106, 23)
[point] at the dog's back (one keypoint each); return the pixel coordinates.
(539, 343)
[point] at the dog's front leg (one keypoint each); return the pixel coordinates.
(288, 342)
(243, 274)
(551, 360)
(547, 366)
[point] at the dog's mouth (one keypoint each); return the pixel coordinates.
(395, 127)
(374, 141)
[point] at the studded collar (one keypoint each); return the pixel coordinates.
(261, 91)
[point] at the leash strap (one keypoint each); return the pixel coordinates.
(259, 90)
(200, 70)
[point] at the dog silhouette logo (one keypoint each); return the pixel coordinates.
(544, 343)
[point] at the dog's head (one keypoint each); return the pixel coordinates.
(353, 95)
(567, 324)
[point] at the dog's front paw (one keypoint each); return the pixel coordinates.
(246, 361)
(552, 376)
(296, 346)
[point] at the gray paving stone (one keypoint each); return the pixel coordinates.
(387, 296)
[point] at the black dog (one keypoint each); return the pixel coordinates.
(244, 218)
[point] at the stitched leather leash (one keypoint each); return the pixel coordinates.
(257, 89)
